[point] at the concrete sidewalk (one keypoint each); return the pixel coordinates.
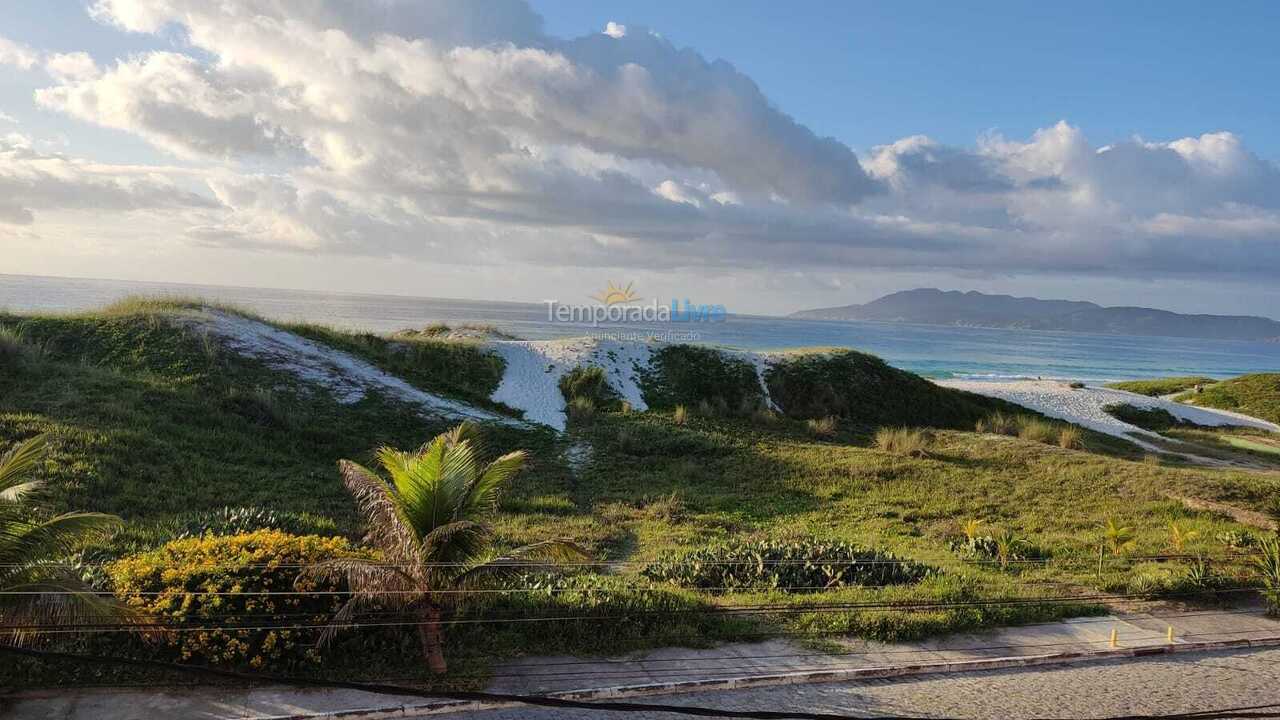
(789, 662)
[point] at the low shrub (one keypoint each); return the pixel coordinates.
(865, 390)
(16, 350)
(217, 580)
(589, 383)
(823, 428)
(242, 520)
(581, 408)
(1002, 547)
(691, 374)
(1267, 564)
(1037, 430)
(1154, 419)
(1030, 427)
(1070, 438)
(680, 415)
(640, 440)
(910, 442)
(802, 565)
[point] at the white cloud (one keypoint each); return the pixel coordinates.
(32, 182)
(71, 66)
(17, 54)
(451, 130)
(6, 117)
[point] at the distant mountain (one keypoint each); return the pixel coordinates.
(930, 306)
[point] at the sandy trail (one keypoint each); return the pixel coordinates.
(347, 377)
(1085, 406)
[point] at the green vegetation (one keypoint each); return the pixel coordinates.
(1162, 386)
(203, 450)
(430, 524)
(1268, 566)
(692, 375)
(804, 566)
(903, 441)
(1050, 432)
(868, 392)
(589, 384)
(460, 369)
(223, 580)
(1256, 395)
(32, 550)
(1154, 419)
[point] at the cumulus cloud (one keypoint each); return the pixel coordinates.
(458, 130)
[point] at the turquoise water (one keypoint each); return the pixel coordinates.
(929, 350)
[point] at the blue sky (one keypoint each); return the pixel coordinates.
(869, 73)
(1127, 153)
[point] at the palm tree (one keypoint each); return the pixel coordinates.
(1119, 539)
(429, 519)
(36, 586)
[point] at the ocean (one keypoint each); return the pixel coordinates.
(933, 351)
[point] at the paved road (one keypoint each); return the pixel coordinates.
(1161, 684)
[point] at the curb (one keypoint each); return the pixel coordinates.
(797, 678)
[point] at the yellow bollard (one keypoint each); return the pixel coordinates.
(1169, 635)
(1114, 638)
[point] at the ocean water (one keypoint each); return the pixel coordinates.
(942, 352)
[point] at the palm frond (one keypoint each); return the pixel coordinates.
(485, 490)
(540, 556)
(389, 528)
(21, 459)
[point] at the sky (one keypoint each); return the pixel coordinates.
(765, 156)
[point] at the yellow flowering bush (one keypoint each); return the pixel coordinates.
(211, 592)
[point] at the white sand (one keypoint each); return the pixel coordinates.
(534, 368)
(1084, 406)
(347, 377)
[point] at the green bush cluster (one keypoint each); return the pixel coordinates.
(866, 390)
(799, 565)
(1154, 419)
(588, 386)
(218, 580)
(701, 377)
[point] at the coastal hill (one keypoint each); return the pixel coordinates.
(929, 306)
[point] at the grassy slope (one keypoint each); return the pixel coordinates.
(1161, 386)
(151, 421)
(1257, 395)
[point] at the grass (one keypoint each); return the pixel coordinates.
(909, 442)
(1162, 386)
(152, 421)
(1256, 395)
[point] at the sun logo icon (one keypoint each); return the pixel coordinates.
(614, 295)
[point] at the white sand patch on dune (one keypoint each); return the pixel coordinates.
(532, 379)
(1085, 406)
(347, 377)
